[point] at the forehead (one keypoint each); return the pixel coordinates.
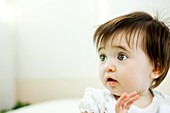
(131, 41)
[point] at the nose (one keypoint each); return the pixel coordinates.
(110, 67)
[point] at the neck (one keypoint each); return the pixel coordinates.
(145, 99)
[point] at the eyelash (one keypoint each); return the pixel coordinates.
(101, 57)
(118, 56)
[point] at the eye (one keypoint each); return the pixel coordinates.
(122, 57)
(102, 58)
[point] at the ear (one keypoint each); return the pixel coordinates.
(156, 72)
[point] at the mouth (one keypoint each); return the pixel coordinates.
(111, 81)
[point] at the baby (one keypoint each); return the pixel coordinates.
(134, 52)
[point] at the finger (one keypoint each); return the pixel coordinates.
(123, 97)
(131, 95)
(132, 100)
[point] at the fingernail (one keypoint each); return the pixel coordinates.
(135, 92)
(137, 96)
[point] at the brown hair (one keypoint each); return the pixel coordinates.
(155, 42)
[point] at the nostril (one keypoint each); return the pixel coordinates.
(110, 68)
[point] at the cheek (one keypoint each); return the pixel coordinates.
(101, 71)
(128, 77)
(135, 79)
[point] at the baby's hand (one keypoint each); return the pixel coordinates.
(125, 101)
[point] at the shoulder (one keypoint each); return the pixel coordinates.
(94, 100)
(162, 97)
(163, 100)
(95, 92)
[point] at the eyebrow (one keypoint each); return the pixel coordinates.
(121, 47)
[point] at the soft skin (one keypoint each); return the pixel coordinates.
(131, 68)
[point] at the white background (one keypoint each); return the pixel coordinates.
(53, 38)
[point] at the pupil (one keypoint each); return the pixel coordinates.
(102, 58)
(121, 57)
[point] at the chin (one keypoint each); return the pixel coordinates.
(114, 91)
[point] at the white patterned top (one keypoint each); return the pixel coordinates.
(102, 101)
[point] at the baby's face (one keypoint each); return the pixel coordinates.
(129, 67)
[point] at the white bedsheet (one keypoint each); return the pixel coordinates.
(56, 106)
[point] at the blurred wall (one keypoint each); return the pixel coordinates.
(53, 41)
(55, 36)
(7, 72)
(7, 56)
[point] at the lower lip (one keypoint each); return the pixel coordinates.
(111, 83)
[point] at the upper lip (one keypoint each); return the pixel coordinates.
(110, 78)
